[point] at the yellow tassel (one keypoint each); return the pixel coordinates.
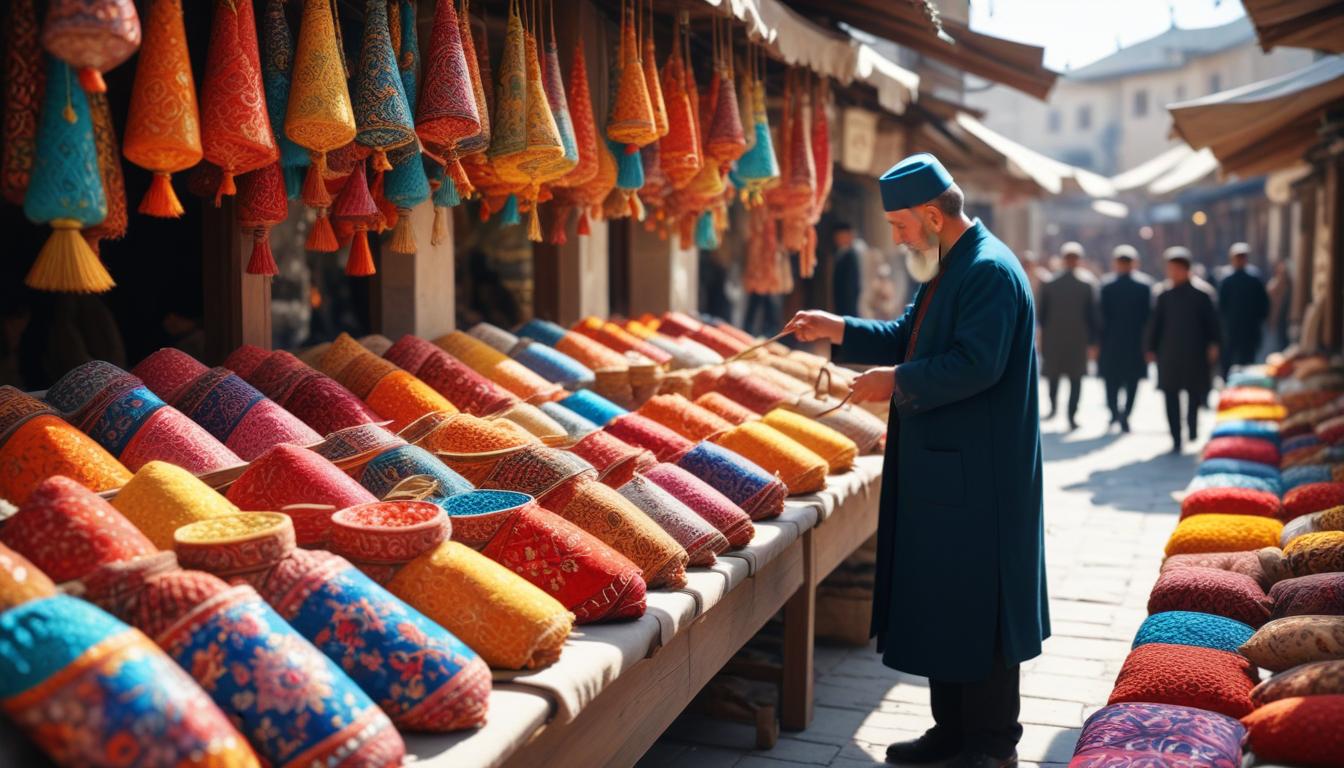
(534, 224)
(439, 232)
(360, 263)
(161, 200)
(66, 263)
(403, 236)
(380, 161)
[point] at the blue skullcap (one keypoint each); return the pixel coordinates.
(914, 181)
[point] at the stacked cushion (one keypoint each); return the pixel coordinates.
(1207, 678)
(1230, 501)
(1197, 629)
(1223, 533)
(1285, 643)
(1301, 730)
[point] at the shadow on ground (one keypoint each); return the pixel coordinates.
(1140, 486)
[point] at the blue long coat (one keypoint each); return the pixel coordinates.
(1126, 302)
(960, 533)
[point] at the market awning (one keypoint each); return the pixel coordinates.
(916, 25)
(1317, 24)
(1051, 175)
(1146, 173)
(832, 53)
(1266, 125)
(1193, 168)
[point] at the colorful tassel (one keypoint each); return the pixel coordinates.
(263, 260)
(322, 239)
(510, 213)
(360, 263)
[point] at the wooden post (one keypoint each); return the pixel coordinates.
(237, 305)
(418, 290)
(800, 632)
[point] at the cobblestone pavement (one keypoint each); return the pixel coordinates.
(1108, 512)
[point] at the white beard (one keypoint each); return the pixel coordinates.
(921, 265)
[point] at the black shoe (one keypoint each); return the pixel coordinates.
(981, 760)
(1073, 424)
(925, 749)
(1176, 448)
(1050, 415)
(1124, 426)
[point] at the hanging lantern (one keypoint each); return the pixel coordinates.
(319, 116)
(655, 89)
(550, 157)
(66, 189)
(406, 187)
(558, 103)
(113, 226)
(631, 120)
(447, 114)
(163, 129)
(679, 150)
(724, 138)
(277, 62)
(235, 131)
(382, 116)
(93, 36)
(758, 167)
(478, 64)
(354, 205)
(408, 53)
(580, 104)
(508, 142)
(262, 203)
(24, 77)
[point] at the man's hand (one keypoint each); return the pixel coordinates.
(815, 325)
(874, 385)
(1213, 354)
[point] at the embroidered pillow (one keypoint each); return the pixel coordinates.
(1247, 448)
(1319, 678)
(1312, 497)
(1190, 628)
(1222, 593)
(1161, 673)
(1293, 640)
(1321, 552)
(1134, 735)
(1266, 565)
(1319, 593)
(1230, 501)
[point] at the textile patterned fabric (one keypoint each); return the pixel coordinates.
(1223, 533)
(801, 469)
(1326, 520)
(1245, 448)
(93, 690)
(1238, 467)
(163, 127)
(638, 429)
(684, 417)
(1313, 497)
(65, 530)
(450, 377)
(498, 367)
(1298, 731)
(113, 226)
(554, 365)
(235, 129)
(718, 510)
(286, 475)
(1197, 629)
(277, 63)
(868, 432)
(384, 471)
(1319, 593)
(1266, 565)
(20, 580)
(65, 183)
(92, 34)
(1206, 590)
(1263, 430)
(609, 516)
(16, 407)
(1321, 552)
(759, 493)
(319, 116)
(45, 445)
(169, 436)
(402, 398)
(446, 113)
(701, 540)
(726, 408)
(1305, 474)
(1320, 678)
(1230, 501)
(1226, 480)
(837, 449)
(167, 371)
(463, 433)
(242, 546)
(1285, 643)
(163, 497)
(25, 79)
(1142, 735)
(584, 125)
(615, 460)
(1207, 678)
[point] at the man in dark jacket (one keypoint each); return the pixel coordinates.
(847, 279)
(1183, 339)
(963, 465)
(1126, 301)
(1243, 303)
(1068, 315)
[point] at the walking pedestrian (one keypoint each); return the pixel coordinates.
(847, 280)
(1183, 339)
(1243, 303)
(963, 467)
(1126, 302)
(1068, 314)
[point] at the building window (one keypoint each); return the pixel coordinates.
(1215, 83)
(1180, 92)
(1140, 103)
(1054, 121)
(1084, 117)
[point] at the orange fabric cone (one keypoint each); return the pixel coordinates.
(631, 119)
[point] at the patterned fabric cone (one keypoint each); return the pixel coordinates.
(450, 377)
(382, 115)
(551, 101)
(801, 469)
(113, 227)
(408, 53)
(494, 364)
(651, 83)
(93, 36)
(759, 493)
(163, 129)
(239, 416)
(589, 578)
(20, 580)
(758, 167)
(447, 113)
(631, 119)
(320, 401)
(838, 450)
(702, 541)
(17, 407)
(385, 471)
(262, 203)
(163, 497)
(277, 65)
(68, 530)
(579, 107)
(446, 686)
(679, 150)
(355, 207)
(718, 510)
(405, 187)
(24, 80)
(66, 189)
(478, 61)
(235, 130)
(615, 460)
(724, 140)
(319, 116)
(289, 475)
(509, 130)
(68, 666)
(46, 445)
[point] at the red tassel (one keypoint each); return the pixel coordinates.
(315, 194)
(91, 80)
(559, 225)
(263, 260)
(161, 200)
(322, 239)
(485, 209)
(584, 229)
(226, 187)
(631, 149)
(360, 263)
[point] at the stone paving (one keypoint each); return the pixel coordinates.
(1108, 511)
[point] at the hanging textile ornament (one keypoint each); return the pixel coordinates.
(546, 153)
(583, 126)
(476, 66)
(93, 36)
(235, 131)
(408, 52)
(758, 167)
(355, 206)
(821, 148)
(406, 186)
(508, 140)
(163, 129)
(679, 149)
(724, 139)
(447, 114)
(319, 116)
(66, 189)
(24, 77)
(706, 238)
(382, 115)
(564, 124)
(113, 227)
(655, 89)
(262, 203)
(631, 120)
(277, 62)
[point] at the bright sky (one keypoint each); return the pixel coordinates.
(1078, 32)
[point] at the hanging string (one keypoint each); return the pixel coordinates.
(340, 41)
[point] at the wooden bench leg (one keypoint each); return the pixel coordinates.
(800, 617)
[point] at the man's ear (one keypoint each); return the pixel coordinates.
(933, 216)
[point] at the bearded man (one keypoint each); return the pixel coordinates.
(960, 592)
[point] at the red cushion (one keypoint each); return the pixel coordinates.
(1230, 501)
(1245, 448)
(1312, 497)
(1207, 678)
(1320, 594)
(1207, 590)
(1331, 431)
(1303, 730)
(1237, 396)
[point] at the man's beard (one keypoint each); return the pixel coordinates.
(922, 263)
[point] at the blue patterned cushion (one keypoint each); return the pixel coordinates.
(1238, 467)
(593, 407)
(1308, 473)
(1301, 441)
(1227, 480)
(1264, 430)
(1191, 628)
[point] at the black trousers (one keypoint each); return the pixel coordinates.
(1114, 388)
(766, 306)
(1075, 390)
(980, 716)
(1193, 400)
